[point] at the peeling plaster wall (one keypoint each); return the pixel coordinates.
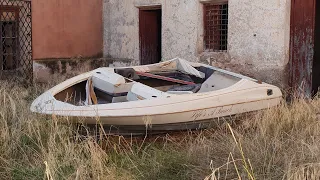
(121, 32)
(181, 32)
(259, 33)
(258, 37)
(179, 28)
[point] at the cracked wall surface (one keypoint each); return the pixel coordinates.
(258, 34)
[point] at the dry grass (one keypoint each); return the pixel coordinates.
(279, 143)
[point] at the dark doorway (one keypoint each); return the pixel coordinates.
(303, 66)
(316, 61)
(150, 36)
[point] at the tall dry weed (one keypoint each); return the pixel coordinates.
(278, 143)
(36, 147)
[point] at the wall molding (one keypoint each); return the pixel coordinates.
(212, 1)
(148, 6)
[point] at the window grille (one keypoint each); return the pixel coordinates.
(216, 27)
(16, 40)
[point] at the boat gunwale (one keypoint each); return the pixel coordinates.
(124, 116)
(178, 102)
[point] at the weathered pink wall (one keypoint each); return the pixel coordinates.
(66, 28)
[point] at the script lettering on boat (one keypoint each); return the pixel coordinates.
(211, 113)
(198, 114)
(225, 110)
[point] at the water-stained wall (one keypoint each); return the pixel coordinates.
(258, 34)
(67, 28)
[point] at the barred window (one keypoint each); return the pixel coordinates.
(216, 27)
(8, 38)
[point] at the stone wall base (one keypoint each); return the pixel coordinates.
(45, 70)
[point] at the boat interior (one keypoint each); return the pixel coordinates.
(134, 84)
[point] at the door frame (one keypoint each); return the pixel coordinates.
(316, 60)
(300, 69)
(148, 8)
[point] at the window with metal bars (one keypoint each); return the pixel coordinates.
(16, 40)
(216, 27)
(8, 38)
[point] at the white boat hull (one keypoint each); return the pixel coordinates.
(244, 96)
(185, 117)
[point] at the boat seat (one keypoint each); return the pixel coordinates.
(141, 92)
(217, 81)
(110, 83)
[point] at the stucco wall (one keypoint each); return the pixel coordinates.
(66, 28)
(258, 36)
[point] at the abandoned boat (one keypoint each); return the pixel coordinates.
(169, 95)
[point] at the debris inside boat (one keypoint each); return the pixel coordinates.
(167, 96)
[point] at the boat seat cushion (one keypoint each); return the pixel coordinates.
(141, 92)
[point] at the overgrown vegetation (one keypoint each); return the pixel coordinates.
(279, 143)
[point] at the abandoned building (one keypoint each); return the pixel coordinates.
(272, 40)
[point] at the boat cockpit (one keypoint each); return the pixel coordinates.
(116, 85)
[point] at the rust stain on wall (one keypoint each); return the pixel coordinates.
(67, 28)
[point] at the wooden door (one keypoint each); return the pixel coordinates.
(316, 61)
(302, 46)
(150, 36)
